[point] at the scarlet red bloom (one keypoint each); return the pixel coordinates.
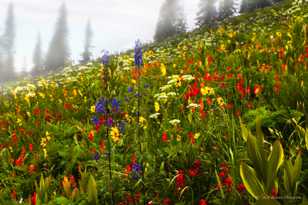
(257, 89)
(33, 199)
(167, 201)
(222, 174)
(202, 202)
(67, 106)
(102, 146)
(281, 53)
(180, 179)
(192, 172)
(209, 60)
(128, 169)
(14, 138)
(228, 181)
(209, 101)
(197, 163)
(31, 168)
(241, 187)
(207, 77)
(73, 181)
(283, 68)
(134, 158)
(13, 194)
(274, 192)
(36, 111)
(30, 147)
(137, 196)
(91, 136)
(191, 136)
(164, 137)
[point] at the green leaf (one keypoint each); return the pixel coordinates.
(306, 138)
(274, 162)
(244, 130)
(267, 202)
(254, 154)
(251, 181)
(92, 191)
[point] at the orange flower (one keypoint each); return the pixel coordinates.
(91, 136)
(257, 89)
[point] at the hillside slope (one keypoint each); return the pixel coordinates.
(218, 115)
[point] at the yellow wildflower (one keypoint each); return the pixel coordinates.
(207, 91)
(115, 134)
(178, 138)
(197, 135)
(156, 105)
(93, 109)
(143, 122)
(220, 101)
(75, 93)
(163, 69)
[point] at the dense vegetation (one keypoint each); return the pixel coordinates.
(216, 116)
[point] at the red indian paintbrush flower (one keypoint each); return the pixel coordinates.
(180, 179)
(164, 137)
(33, 198)
(203, 202)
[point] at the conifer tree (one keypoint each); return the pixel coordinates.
(7, 44)
(250, 5)
(38, 63)
(207, 13)
(226, 8)
(58, 52)
(171, 20)
(86, 55)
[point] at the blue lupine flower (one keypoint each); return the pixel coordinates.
(136, 168)
(137, 95)
(121, 127)
(136, 171)
(115, 105)
(138, 54)
(105, 58)
(96, 156)
(100, 106)
(129, 89)
(95, 120)
(109, 122)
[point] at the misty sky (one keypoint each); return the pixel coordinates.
(116, 23)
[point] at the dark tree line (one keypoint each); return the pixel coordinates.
(7, 40)
(57, 56)
(171, 22)
(171, 19)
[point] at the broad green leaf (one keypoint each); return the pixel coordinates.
(251, 182)
(306, 138)
(274, 162)
(254, 154)
(267, 202)
(244, 130)
(297, 167)
(287, 176)
(92, 191)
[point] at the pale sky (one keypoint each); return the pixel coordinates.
(116, 24)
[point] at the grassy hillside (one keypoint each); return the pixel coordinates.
(223, 119)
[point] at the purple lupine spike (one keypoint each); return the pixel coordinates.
(105, 58)
(115, 104)
(100, 106)
(138, 54)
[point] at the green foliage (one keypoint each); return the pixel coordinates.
(262, 177)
